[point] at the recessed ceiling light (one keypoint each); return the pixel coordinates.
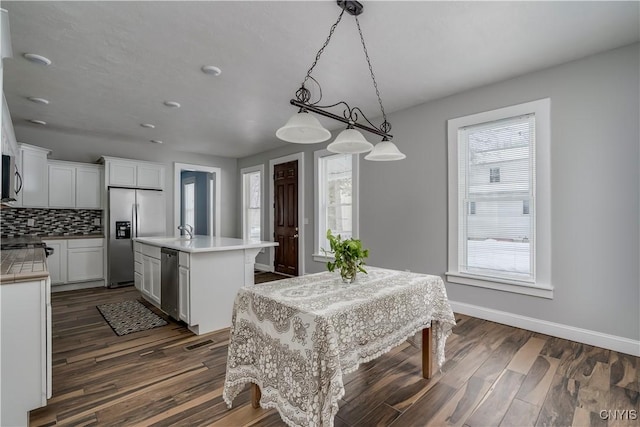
(148, 125)
(38, 100)
(38, 122)
(212, 70)
(172, 104)
(156, 141)
(38, 59)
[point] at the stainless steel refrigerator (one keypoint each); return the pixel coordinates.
(132, 213)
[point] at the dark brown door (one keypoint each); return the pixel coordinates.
(285, 180)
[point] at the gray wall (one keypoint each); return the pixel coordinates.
(88, 149)
(595, 163)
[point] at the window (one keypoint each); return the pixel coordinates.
(336, 197)
(189, 205)
(494, 175)
(252, 202)
(499, 233)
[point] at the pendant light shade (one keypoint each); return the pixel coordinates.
(385, 151)
(350, 141)
(303, 128)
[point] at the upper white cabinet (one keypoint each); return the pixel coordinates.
(35, 177)
(133, 173)
(74, 185)
(122, 173)
(9, 144)
(62, 185)
(88, 186)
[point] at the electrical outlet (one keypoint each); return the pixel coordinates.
(31, 222)
(96, 221)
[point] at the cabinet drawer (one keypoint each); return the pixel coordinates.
(136, 247)
(85, 243)
(152, 251)
(137, 257)
(137, 266)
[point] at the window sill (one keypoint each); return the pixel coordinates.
(323, 257)
(513, 286)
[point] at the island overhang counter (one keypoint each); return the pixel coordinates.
(210, 271)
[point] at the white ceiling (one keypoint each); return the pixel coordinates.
(114, 63)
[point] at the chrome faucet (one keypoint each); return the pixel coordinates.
(187, 229)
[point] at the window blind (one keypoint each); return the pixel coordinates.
(496, 198)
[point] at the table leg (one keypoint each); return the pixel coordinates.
(427, 343)
(255, 395)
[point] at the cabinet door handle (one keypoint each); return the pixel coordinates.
(19, 178)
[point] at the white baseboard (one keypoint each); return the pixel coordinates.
(585, 336)
(262, 267)
(76, 286)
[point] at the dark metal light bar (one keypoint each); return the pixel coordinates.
(339, 118)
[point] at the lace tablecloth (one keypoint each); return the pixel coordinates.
(296, 338)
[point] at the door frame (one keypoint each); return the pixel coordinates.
(177, 194)
(301, 218)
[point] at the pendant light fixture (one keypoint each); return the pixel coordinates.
(304, 128)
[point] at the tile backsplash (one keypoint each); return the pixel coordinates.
(49, 222)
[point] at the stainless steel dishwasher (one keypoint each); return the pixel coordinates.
(169, 282)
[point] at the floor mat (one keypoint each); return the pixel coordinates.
(129, 316)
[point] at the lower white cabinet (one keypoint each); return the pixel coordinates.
(25, 349)
(76, 260)
(151, 278)
(183, 293)
(85, 264)
(57, 263)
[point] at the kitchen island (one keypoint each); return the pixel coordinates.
(210, 271)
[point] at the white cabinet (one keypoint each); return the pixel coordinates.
(76, 260)
(62, 185)
(35, 177)
(133, 173)
(25, 346)
(122, 173)
(9, 144)
(137, 279)
(57, 263)
(88, 186)
(149, 175)
(75, 185)
(85, 264)
(151, 274)
(85, 260)
(151, 278)
(183, 286)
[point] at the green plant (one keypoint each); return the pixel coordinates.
(348, 256)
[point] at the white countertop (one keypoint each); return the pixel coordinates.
(203, 243)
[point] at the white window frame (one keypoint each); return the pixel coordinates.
(542, 286)
(185, 182)
(243, 173)
(318, 255)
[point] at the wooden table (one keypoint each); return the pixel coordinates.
(294, 339)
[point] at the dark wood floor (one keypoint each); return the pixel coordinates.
(495, 375)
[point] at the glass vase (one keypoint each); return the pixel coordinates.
(348, 273)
